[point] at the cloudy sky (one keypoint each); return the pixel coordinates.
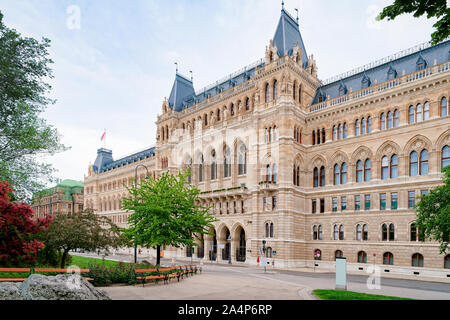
(114, 59)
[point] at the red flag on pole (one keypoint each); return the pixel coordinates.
(103, 136)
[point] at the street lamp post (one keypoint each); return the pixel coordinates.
(264, 253)
(229, 248)
(135, 187)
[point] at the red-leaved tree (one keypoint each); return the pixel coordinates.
(17, 230)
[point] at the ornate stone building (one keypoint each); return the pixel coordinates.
(315, 169)
(65, 198)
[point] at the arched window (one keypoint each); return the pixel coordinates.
(384, 168)
(367, 170)
(362, 257)
(274, 172)
(390, 120)
(413, 164)
(340, 131)
(271, 230)
(363, 126)
(358, 232)
(344, 173)
(365, 232)
(417, 260)
(426, 111)
(232, 109)
(369, 124)
(317, 254)
(275, 133)
(242, 161)
(337, 174)
(445, 158)
(227, 162)
(269, 252)
(320, 232)
(218, 114)
(388, 258)
(423, 170)
(275, 90)
(323, 135)
(213, 165)
(382, 121)
(334, 133)
(297, 176)
(268, 173)
(318, 136)
(267, 93)
(391, 232)
(267, 230)
(411, 115)
(341, 232)
(415, 233)
(300, 93)
(444, 112)
(270, 134)
(396, 118)
(357, 128)
(394, 166)
(419, 116)
(359, 171)
(315, 233)
(206, 119)
(345, 130)
(247, 104)
(313, 138)
(267, 135)
(388, 232)
(335, 232)
(322, 176)
(338, 254)
(200, 169)
(294, 90)
(315, 177)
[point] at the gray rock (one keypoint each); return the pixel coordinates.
(60, 287)
(10, 291)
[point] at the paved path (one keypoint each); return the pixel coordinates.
(224, 282)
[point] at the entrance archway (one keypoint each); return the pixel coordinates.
(242, 247)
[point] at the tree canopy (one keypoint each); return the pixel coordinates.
(83, 230)
(432, 8)
(433, 213)
(165, 212)
(24, 134)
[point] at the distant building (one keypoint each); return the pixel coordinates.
(67, 197)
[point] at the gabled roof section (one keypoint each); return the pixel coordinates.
(182, 92)
(135, 157)
(287, 35)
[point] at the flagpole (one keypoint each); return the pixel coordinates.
(104, 141)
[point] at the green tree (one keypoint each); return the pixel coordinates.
(433, 213)
(433, 8)
(84, 230)
(166, 213)
(24, 135)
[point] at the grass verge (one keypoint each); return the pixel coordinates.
(350, 295)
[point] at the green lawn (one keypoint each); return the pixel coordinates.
(83, 262)
(349, 295)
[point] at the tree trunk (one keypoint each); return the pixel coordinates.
(158, 255)
(63, 258)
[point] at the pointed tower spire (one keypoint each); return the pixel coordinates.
(282, 5)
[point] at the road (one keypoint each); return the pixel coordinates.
(219, 281)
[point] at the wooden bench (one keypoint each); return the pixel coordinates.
(14, 270)
(143, 277)
(53, 270)
(196, 268)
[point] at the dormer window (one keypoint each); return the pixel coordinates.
(342, 89)
(365, 82)
(392, 73)
(421, 63)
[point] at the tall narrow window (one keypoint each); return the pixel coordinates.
(396, 118)
(242, 161)
(444, 112)
(383, 201)
(316, 178)
(389, 120)
(413, 164)
(384, 168)
(358, 232)
(445, 158)
(336, 232)
(318, 136)
(337, 174)
(322, 176)
(359, 171)
(247, 104)
(419, 115)
(275, 90)
(382, 121)
(315, 233)
(365, 232)
(369, 124)
(340, 132)
(424, 162)
(213, 165)
(345, 130)
(227, 163)
(367, 170)
(426, 111)
(367, 202)
(411, 115)
(344, 173)
(394, 166)
(334, 133)
(320, 232)
(394, 201)
(274, 172)
(411, 199)
(357, 203)
(313, 138)
(357, 128)
(267, 94)
(341, 232)
(268, 172)
(334, 205)
(323, 135)
(363, 126)
(343, 203)
(314, 206)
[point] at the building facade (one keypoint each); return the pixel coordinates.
(316, 170)
(65, 198)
